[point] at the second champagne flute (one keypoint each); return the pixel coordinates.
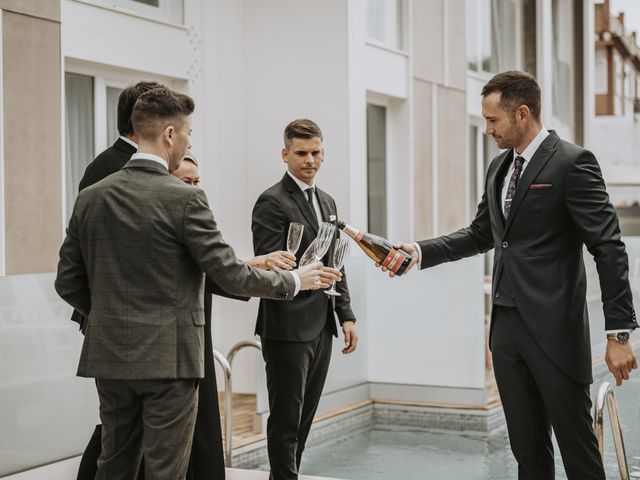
(339, 251)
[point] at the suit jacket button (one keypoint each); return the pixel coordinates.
(505, 244)
(497, 294)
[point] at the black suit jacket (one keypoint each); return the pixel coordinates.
(106, 163)
(303, 318)
(560, 205)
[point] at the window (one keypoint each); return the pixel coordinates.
(79, 132)
(112, 113)
(562, 26)
(385, 22)
(493, 35)
(164, 10)
(376, 169)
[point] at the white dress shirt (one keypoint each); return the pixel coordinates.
(129, 141)
(152, 157)
(527, 154)
(304, 187)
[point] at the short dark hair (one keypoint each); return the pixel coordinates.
(301, 128)
(516, 88)
(155, 107)
(127, 100)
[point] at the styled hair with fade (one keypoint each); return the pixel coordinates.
(156, 107)
(301, 128)
(516, 88)
(127, 100)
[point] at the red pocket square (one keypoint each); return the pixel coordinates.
(540, 186)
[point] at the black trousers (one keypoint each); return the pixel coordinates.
(536, 397)
(296, 372)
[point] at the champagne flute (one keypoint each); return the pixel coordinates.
(339, 251)
(323, 240)
(294, 237)
(308, 257)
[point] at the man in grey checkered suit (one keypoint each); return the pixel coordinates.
(137, 245)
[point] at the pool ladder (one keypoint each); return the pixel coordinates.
(227, 363)
(606, 396)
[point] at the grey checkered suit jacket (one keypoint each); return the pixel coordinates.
(132, 261)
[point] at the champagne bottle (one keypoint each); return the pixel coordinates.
(379, 249)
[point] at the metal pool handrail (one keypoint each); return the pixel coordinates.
(226, 364)
(606, 395)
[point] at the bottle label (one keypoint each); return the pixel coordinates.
(353, 233)
(394, 260)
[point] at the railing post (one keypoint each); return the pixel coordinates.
(607, 396)
(226, 364)
(228, 422)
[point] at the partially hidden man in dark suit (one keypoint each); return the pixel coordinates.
(132, 262)
(544, 200)
(297, 337)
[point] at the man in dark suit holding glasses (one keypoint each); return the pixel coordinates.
(132, 262)
(297, 337)
(544, 200)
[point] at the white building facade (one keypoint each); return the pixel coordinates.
(394, 85)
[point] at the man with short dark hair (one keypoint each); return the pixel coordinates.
(114, 157)
(132, 262)
(544, 200)
(297, 335)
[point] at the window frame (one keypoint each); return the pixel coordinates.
(103, 77)
(159, 14)
(480, 31)
(403, 34)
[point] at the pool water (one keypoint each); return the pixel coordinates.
(406, 453)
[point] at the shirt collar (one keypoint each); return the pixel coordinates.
(150, 156)
(303, 186)
(533, 146)
(129, 141)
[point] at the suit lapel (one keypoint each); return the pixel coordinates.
(537, 163)
(300, 199)
(325, 208)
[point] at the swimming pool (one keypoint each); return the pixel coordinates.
(383, 450)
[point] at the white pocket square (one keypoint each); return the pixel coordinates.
(332, 218)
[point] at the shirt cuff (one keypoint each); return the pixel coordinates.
(296, 279)
(622, 330)
(419, 250)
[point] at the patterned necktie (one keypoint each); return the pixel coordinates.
(513, 183)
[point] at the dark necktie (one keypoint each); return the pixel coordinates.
(513, 183)
(310, 191)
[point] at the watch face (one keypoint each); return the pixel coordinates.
(623, 337)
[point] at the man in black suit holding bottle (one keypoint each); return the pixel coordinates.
(297, 335)
(544, 200)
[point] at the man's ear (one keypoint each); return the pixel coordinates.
(523, 112)
(285, 152)
(168, 134)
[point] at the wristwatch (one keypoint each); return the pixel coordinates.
(620, 337)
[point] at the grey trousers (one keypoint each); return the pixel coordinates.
(156, 417)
